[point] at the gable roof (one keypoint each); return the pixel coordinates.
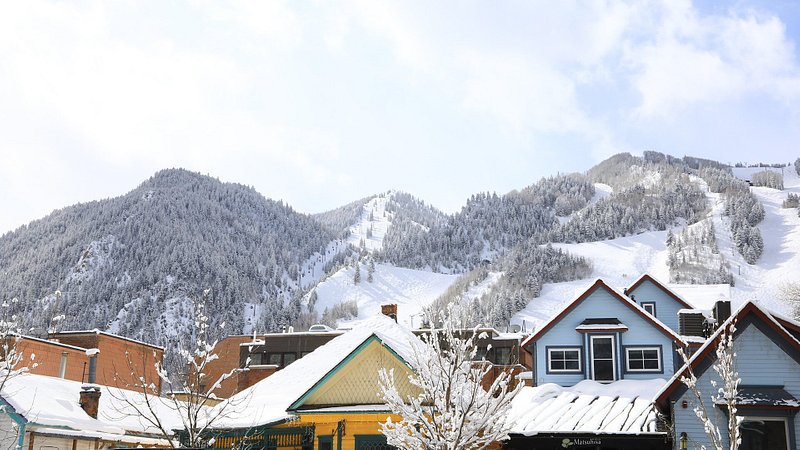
(599, 284)
(748, 309)
(271, 399)
(52, 404)
(658, 284)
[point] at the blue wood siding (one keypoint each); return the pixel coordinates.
(600, 304)
(760, 361)
(666, 307)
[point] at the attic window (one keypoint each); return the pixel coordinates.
(650, 307)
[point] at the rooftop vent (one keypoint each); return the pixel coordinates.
(691, 322)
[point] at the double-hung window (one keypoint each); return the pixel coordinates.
(643, 359)
(564, 359)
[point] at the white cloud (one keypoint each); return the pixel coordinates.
(697, 60)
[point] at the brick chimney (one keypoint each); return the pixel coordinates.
(90, 399)
(90, 393)
(390, 310)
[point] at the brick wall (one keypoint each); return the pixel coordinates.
(48, 358)
(121, 361)
(228, 351)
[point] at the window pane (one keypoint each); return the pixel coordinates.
(572, 365)
(275, 358)
(601, 348)
(650, 354)
(651, 364)
(557, 355)
(763, 435)
(604, 370)
(502, 355)
(288, 358)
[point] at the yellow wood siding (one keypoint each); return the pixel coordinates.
(357, 382)
(353, 424)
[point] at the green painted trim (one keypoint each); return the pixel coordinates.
(372, 338)
(21, 439)
(343, 413)
(12, 412)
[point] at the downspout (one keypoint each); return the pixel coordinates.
(339, 427)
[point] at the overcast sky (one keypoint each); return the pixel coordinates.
(320, 103)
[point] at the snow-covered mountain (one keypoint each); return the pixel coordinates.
(132, 264)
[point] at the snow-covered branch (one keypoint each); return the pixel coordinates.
(452, 410)
(724, 395)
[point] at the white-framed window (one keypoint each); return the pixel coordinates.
(643, 359)
(650, 307)
(765, 432)
(564, 359)
(604, 367)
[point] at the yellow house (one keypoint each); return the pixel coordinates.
(327, 400)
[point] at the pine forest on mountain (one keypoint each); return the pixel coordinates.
(132, 264)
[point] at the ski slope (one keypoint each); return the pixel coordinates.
(621, 261)
(410, 289)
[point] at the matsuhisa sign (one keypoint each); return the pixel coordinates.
(580, 442)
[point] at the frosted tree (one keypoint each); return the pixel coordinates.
(357, 274)
(452, 411)
(11, 355)
(190, 393)
(790, 292)
(371, 270)
(12, 359)
(725, 394)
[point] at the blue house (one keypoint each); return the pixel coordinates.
(658, 300)
(768, 361)
(604, 336)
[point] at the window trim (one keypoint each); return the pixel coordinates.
(577, 349)
(614, 375)
(646, 304)
(657, 348)
(787, 422)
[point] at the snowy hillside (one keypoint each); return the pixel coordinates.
(410, 289)
(372, 226)
(621, 261)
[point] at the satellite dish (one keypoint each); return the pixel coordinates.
(515, 328)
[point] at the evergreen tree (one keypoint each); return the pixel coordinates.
(357, 274)
(371, 270)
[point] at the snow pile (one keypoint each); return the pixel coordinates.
(625, 406)
(268, 400)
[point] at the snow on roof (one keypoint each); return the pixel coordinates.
(268, 400)
(104, 333)
(622, 407)
(50, 402)
(702, 296)
(700, 353)
(558, 315)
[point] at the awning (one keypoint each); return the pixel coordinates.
(601, 324)
(765, 397)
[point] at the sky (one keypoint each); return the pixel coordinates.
(320, 103)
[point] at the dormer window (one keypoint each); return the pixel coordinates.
(650, 307)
